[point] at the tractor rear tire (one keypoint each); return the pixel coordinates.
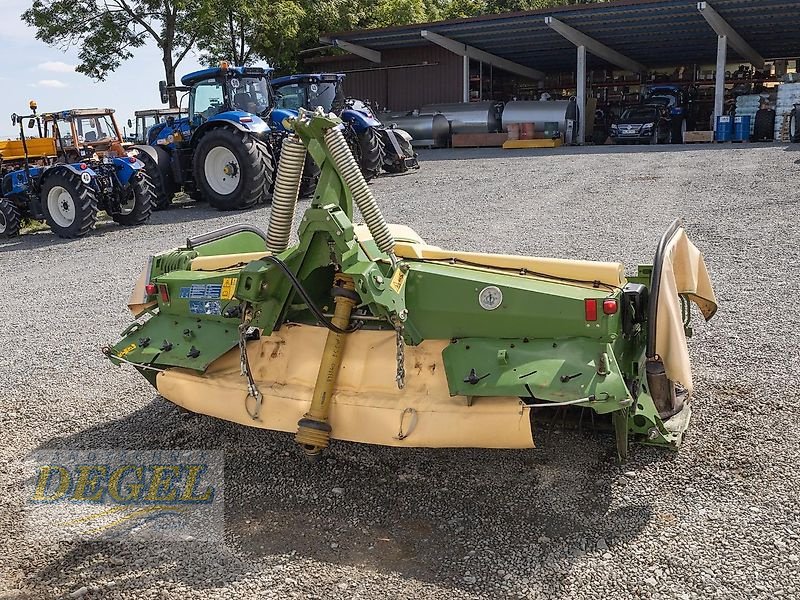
(233, 169)
(764, 127)
(160, 175)
(69, 204)
(368, 151)
(9, 219)
(142, 200)
(311, 172)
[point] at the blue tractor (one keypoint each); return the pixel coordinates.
(309, 91)
(221, 150)
(677, 99)
(74, 169)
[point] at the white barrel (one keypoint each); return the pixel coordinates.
(468, 117)
(537, 112)
(431, 131)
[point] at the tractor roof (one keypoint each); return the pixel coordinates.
(77, 112)
(214, 72)
(152, 112)
(307, 78)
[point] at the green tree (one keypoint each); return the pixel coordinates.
(256, 30)
(107, 32)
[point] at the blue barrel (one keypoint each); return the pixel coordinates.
(724, 129)
(741, 128)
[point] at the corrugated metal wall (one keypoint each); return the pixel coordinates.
(422, 75)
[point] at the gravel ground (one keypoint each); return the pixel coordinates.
(719, 519)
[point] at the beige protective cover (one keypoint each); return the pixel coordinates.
(367, 405)
(410, 245)
(684, 272)
(225, 261)
(137, 302)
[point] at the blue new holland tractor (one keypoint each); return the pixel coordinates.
(309, 91)
(221, 150)
(73, 169)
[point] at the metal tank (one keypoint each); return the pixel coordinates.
(430, 131)
(471, 117)
(537, 112)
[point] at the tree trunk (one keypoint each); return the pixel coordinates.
(169, 73)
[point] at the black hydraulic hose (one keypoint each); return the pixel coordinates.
(655, 285)
(451, 260)
(306, 298)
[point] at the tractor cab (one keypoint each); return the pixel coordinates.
(84, 132)
(226, 92)
(309, 91)
(150, 121)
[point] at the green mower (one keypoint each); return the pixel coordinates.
(363, 332)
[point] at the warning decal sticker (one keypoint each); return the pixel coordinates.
(201, 307)
(200, 291)
(228, 288)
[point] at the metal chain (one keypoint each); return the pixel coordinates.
(244, 366)
(401, 358)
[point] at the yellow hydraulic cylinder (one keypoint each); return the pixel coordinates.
(314, 431)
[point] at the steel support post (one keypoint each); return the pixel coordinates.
(719, 86)
(581, 93)
(465, 93)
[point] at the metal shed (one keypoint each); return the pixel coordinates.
(633, 35)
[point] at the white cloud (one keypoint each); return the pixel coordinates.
(51, 83)
(56, 66)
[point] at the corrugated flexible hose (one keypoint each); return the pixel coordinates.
(362, 196)
(284, 198)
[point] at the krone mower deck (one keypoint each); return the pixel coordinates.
(366, 333)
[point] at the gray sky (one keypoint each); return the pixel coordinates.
(36, 71)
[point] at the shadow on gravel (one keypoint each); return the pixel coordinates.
(441, 516)
(433, 155)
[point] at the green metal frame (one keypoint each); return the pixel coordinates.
(537, 345)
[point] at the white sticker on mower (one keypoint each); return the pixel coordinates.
(490, 297)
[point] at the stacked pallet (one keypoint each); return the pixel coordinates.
(784, 134)
(788, 97)
(747, 106)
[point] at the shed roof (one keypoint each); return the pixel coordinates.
(653, 32)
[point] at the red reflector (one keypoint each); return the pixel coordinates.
(610, 307)
(150, 289)
(590, 306)
(164, 290)
(245, 119)
(84, 166)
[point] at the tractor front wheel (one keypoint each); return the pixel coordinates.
(158, 170)
(9, 219)
(232, 169)
(70, 205)
(138, 199)
(367, 148)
